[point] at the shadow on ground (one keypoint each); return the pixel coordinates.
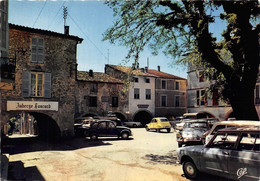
(32, 144)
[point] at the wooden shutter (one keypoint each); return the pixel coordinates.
(47, 85)
(40, 50)
(26, 83)
(34, 50)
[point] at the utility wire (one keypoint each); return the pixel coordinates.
(56, 14)
(87, 37)
(39, 13)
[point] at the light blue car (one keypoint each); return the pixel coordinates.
(233, 153)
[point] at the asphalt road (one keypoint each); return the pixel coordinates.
(147, 156)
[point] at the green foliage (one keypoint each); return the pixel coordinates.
(180, 29)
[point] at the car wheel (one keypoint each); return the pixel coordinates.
(147, 129)
(134, 125)
(93, 137)
(125, 135)
(190, 170)
(169, 130)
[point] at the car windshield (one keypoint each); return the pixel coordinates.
(196, 125)
(164, 120)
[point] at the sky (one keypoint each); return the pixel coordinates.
(87, 20)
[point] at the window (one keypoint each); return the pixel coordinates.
(177, 101)
(201, 76)
(93, 101)
(136, 79)
(37, 50)
(198, 97)
(163, 84)
(147, 80)
(37, 84)
(215, 98)
(102, 125)
(136, 93)
(93, 87)
(111, 125)
(148, 93)
(163, 101)
(114, 101)
(203, 98)
(177, 85)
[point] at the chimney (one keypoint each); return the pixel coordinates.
(146, 69)
(159, 68)
(66, 30)
(91, 73)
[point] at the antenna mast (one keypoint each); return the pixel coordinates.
(65, 14)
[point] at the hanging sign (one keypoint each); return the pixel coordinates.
(32, 105)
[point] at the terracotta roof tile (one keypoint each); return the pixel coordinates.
(97, 77)
(163, 74)
(127, 70)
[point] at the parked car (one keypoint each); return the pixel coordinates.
(226, 124)
(81, 124)
(180, 125)
(158, 124)
(133, 124)
(233, 153)
(107, 128)
(192, 132)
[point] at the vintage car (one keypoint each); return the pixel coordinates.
(107, 128)
(133, 124)
(233, 153)
(158, 124)
(81, 124)
(192, 132)
(226, 124)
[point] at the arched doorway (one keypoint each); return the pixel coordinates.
(143, 116)
(205, 115)
(34, 124)
(120, 116)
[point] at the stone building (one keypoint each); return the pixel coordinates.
(99, 94)
(170, 94)
(199, 102)
(140, 91)
(3, 31)
(44, 82)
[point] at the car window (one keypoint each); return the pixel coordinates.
(196, 125)
(102, 125)
(217, 128)
(224, 141)
(249, 142)
(111, 125)
(94, 125)
(164, 120)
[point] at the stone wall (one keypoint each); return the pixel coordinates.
(59, 60)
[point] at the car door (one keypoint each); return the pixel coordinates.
(111, 129)
(215, 156)
(102, 129)
(244, 162)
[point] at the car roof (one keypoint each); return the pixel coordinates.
(239, 122)
(160, 118)
(241, 129)
(197, 121)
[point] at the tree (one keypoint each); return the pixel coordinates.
(181, 29)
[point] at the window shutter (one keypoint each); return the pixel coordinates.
(40, 50)
(26, 79)
(34, 50)
(47, 85)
